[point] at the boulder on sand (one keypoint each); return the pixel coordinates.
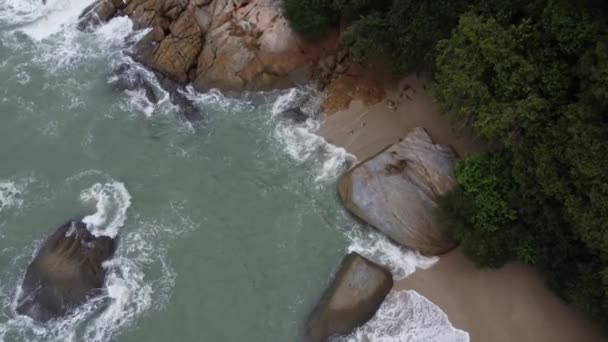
(66, 272)
(396, 191)
(353, 297)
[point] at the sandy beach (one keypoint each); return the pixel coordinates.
(509, 304)
(364, 130)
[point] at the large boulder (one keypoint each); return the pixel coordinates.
(397, 190)
(66, 272)
(353, 297)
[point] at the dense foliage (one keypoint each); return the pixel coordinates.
(537, 84)
(532, 78)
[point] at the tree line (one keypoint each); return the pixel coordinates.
(531, 77)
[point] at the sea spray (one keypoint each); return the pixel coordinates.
(41, 21)
(400, 260)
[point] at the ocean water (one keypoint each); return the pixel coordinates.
(229, 231)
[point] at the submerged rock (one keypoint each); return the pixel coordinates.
(353, 297)
(125, 78)
(295, 114)
(128, 78)
(66, 272)
(396, 191)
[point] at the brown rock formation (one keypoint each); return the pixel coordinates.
(250, 45)
(225, 44)
(177, 52)
(355, 294)
(396, 191)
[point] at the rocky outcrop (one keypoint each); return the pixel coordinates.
(99, 12)
(66, 271)
(249, 45)
(225, 44)
(353, 297)
(396, 191)
(176, 54)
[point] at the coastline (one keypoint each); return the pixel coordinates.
(508, 304)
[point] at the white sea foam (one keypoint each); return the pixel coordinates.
(115, 31)
(41, 21)
(12, 192)
(136, 100)
(57, 43)
(112, 200)
(302, 143)
(400, 260)
(70, 46)
(406, 316)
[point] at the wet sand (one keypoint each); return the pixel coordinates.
(509, 304)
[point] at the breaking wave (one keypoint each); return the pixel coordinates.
(112, 201)
(300, 140)
(406, 316)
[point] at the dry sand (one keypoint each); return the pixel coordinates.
(365, 130)
(510, 304)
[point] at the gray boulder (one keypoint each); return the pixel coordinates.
(397, 190)
(66, 272)
(353, 297)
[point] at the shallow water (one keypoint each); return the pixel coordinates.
(229, 230)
